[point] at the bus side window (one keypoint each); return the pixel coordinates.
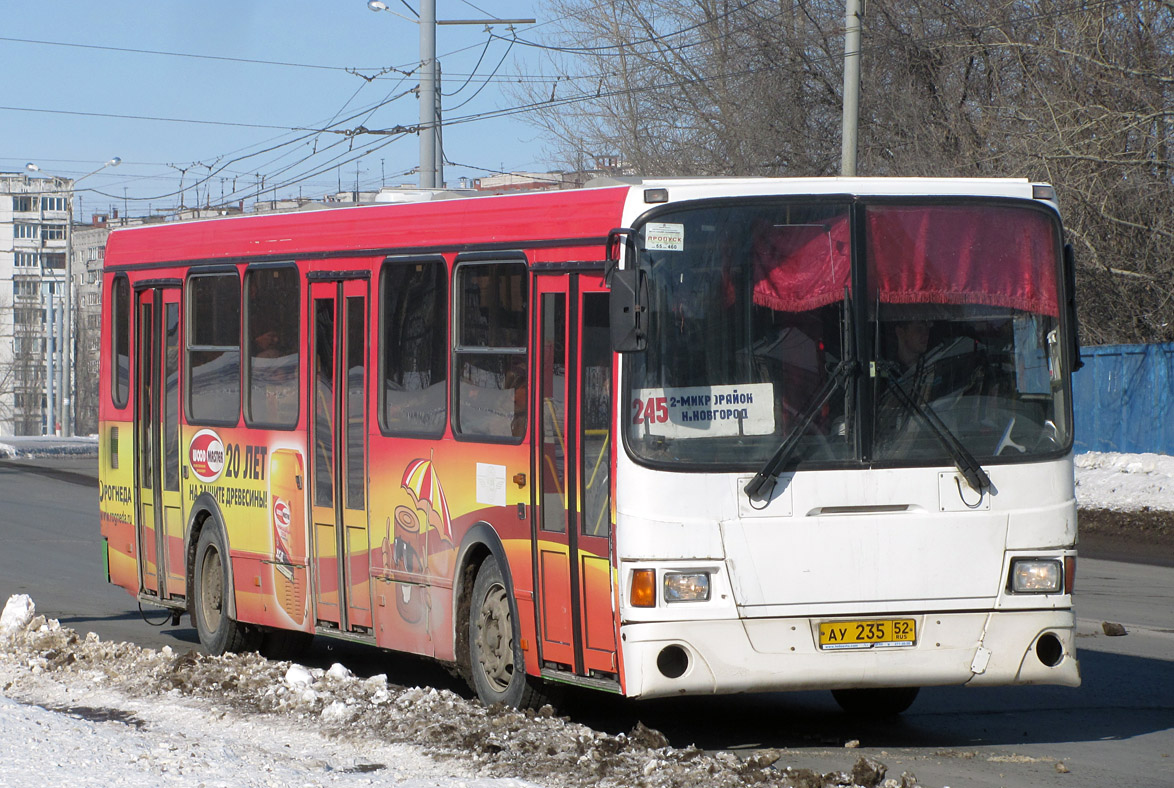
(273, 326)
(414, 347)
(595, 414)
(213, 349)
(120, 339)
(490, 355)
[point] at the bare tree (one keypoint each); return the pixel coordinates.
(22, 369)
(85, 377)
(1080, 95)
(693, 87)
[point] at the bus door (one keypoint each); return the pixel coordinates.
(571, 456)
(340, 553)
(159, 535)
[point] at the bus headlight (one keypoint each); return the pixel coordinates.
(686, 586)
(1036, 576)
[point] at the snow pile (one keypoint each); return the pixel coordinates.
(28, 446)
(1125, 482)
(133, 715)
(17, 614)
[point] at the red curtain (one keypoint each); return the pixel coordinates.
(954, 254)
(801, 267)
(938, 254)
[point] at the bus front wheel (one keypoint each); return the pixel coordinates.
(876, 702)
(495, 656)
(218, 632)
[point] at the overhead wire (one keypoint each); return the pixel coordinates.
(342, 139)
(129, 50)
(504, 112)
(118, 116)
(509, 111)
(216, 169)
(476, 66)
(496, 68)
(478, 8)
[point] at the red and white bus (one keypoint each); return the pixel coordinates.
(656, 438)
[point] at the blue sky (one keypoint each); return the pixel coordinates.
(272, 106)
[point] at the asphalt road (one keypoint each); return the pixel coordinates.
(1115, 730)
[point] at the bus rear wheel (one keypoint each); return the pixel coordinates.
(218, 632)
(495, 656)
(876, 702)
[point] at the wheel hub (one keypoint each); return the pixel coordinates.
(495, 639)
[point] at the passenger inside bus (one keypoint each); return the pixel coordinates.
(962, 370)
(788, 353)
(272, 393)
(266, 345)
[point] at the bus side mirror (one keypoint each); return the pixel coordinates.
(628, 310)
(1070, 305)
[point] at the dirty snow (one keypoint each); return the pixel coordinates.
(1125, 482)
(75, 710)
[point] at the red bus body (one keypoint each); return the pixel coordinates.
(263, 474)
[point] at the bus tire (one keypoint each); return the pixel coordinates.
(219, 634)
(876, 702)
(496, 664)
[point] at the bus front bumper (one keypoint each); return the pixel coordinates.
(778, 654)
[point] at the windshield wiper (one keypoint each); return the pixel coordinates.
(760, 488)
(964, 461)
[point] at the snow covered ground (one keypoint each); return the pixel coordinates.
(78, 711)
(1125, 482)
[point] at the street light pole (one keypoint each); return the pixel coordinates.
(65, 390)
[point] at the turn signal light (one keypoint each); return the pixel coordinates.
(643, 591)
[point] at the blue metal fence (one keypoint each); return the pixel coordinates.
(1123, 399)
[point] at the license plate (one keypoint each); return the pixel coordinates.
(877, 633)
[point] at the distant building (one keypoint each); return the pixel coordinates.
(508, 183)
(34, 241)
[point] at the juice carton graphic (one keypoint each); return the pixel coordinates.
(287, 503)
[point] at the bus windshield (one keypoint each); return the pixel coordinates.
(947, 314)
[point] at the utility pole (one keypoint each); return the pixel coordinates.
(428, 94)
(50, 363)
(439, 135)
(851, 88)
(431, 151)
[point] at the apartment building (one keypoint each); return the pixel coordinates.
(34, 244)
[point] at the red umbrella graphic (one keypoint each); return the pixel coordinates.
(422, 483)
